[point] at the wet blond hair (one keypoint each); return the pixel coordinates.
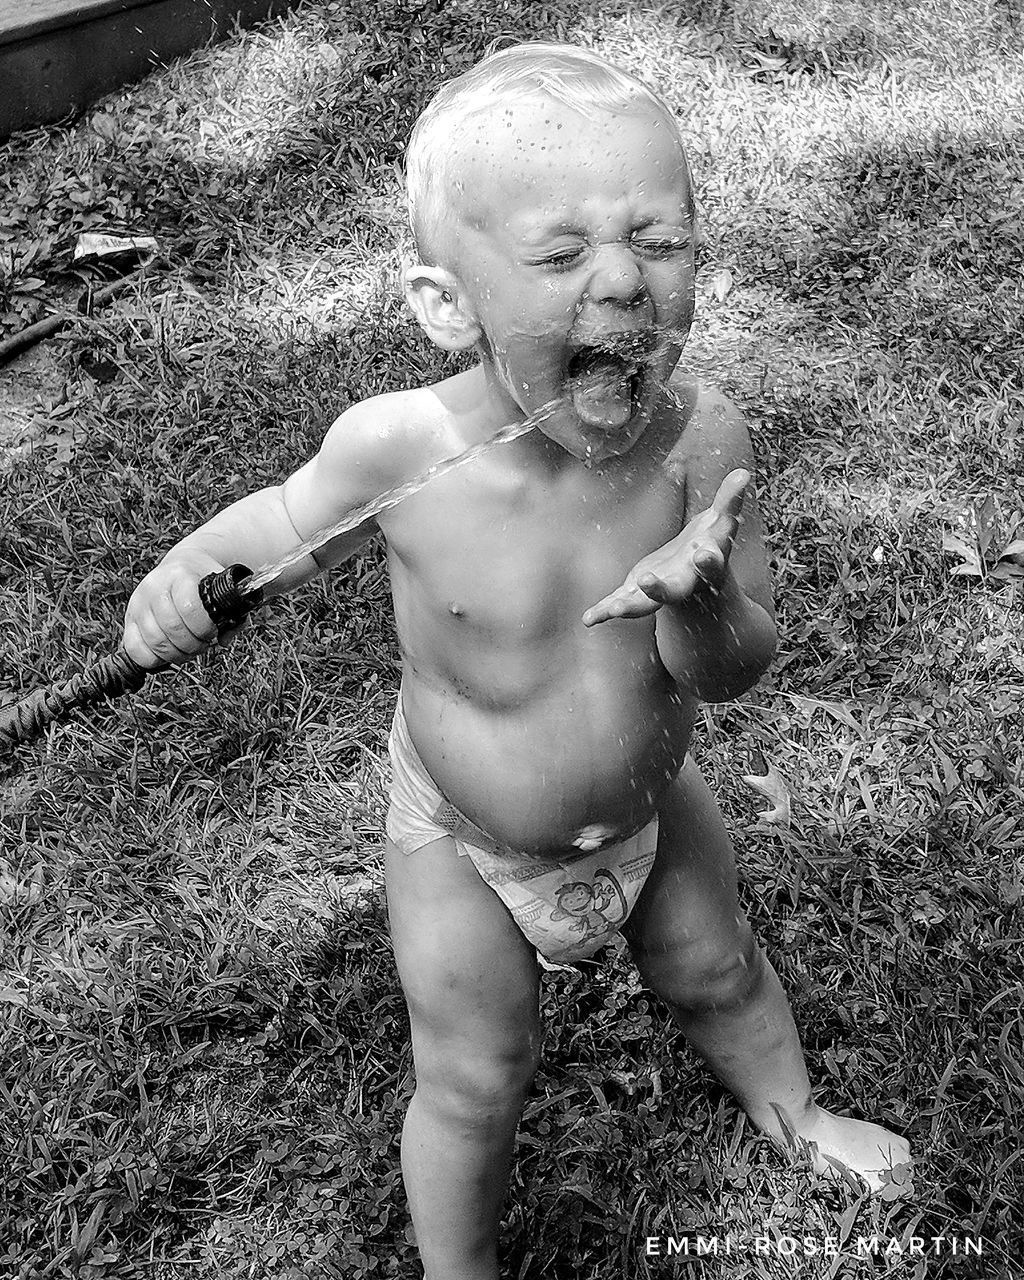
(564, 73)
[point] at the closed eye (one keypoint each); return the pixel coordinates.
(562, 260)
(660, 246)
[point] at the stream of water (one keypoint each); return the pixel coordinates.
(392, 497)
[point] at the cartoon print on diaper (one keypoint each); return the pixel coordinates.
(586, 904)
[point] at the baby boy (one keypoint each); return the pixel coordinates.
(562, 603)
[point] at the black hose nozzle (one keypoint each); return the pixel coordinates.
(222, 599)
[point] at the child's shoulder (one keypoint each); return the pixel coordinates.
(712, 439)
(707, 418)
(708, 426)
(388, 437)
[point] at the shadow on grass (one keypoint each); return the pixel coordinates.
(926, 248)
(896, 328)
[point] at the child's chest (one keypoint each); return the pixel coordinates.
(521, 559)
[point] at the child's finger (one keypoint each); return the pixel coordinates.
(151, 642)
(139, 651)
(193, 619)
(665, 590)
(729, 498)
(607, 608)
(620, 604)
(166, 632)
(709, 564)
(654, 587)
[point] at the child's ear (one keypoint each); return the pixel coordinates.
(440, 305)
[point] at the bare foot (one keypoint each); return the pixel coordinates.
(839, 1145)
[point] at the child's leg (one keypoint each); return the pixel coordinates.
(694, 947)
(470, 980)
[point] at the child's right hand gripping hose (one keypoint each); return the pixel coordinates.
(152, 619)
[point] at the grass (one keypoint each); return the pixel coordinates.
(203, 1059)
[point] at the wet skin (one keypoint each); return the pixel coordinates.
(571, 230)
(532, 724)
(575, 242)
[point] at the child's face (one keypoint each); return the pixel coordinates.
(574, 231)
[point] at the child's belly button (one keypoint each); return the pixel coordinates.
(593, 837)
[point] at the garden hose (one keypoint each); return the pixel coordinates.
(224, 597)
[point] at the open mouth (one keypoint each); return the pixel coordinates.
(605, 378)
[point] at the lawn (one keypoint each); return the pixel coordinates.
(203, 1057)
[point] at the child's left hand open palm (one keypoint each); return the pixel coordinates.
(697, 556)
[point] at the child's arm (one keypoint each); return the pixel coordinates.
(710, 584)
(362, 455)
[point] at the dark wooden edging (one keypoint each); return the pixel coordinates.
(57, 56)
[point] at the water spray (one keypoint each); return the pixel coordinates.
(230, 595)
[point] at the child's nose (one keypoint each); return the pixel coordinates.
(617, 276)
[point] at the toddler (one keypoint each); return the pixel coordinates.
(563, 603)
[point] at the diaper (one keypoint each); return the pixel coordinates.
(566, 908)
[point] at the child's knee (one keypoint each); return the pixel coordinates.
(475, 1086)
(707, 974)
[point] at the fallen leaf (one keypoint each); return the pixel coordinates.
(968, 554)
(772, 786)
(721, 284)
(105, 125)
(898, 1182)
